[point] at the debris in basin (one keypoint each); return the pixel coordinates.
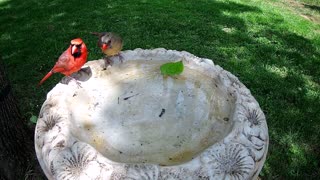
(126, 98)
(172, 68)
(162, 112)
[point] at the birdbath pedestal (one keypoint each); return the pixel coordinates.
(130, 121)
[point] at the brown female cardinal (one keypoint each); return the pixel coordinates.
(70, 60)
(110, 44)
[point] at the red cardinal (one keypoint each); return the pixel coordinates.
(70, 60)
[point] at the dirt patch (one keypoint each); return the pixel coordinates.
(295, 3)
(304, 10)
(310, 18)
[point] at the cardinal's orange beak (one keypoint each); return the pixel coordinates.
(104, 47)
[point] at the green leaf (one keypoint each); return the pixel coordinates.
(172, 68)
(33, 119)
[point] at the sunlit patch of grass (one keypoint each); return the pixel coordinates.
(282, 72)
(3, 1)
(4, 4)
(297, 154)
(307, 9)
(294, 150)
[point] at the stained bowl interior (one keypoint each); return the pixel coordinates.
(133, 114)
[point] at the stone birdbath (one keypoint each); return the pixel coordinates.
(130, 122)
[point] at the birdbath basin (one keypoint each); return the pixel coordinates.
(130, 121)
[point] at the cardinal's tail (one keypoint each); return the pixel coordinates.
(95, 33)
(45, 78)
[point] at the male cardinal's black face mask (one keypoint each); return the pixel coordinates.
(76, 50)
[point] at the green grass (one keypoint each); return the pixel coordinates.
(273, 50)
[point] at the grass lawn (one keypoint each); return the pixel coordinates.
(311, 2)
(273, 46)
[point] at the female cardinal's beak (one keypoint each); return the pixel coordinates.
(104, 47)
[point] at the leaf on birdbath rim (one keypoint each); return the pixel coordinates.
(171, 68)
(33, 119)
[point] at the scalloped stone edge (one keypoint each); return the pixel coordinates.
(240, 155)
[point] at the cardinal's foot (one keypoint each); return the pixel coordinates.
(107, 62)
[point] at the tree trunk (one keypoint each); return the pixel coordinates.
(16, 152)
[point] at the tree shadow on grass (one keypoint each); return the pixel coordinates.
(36, 33)
(313, 7)
(280, 67)
(282, 73)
